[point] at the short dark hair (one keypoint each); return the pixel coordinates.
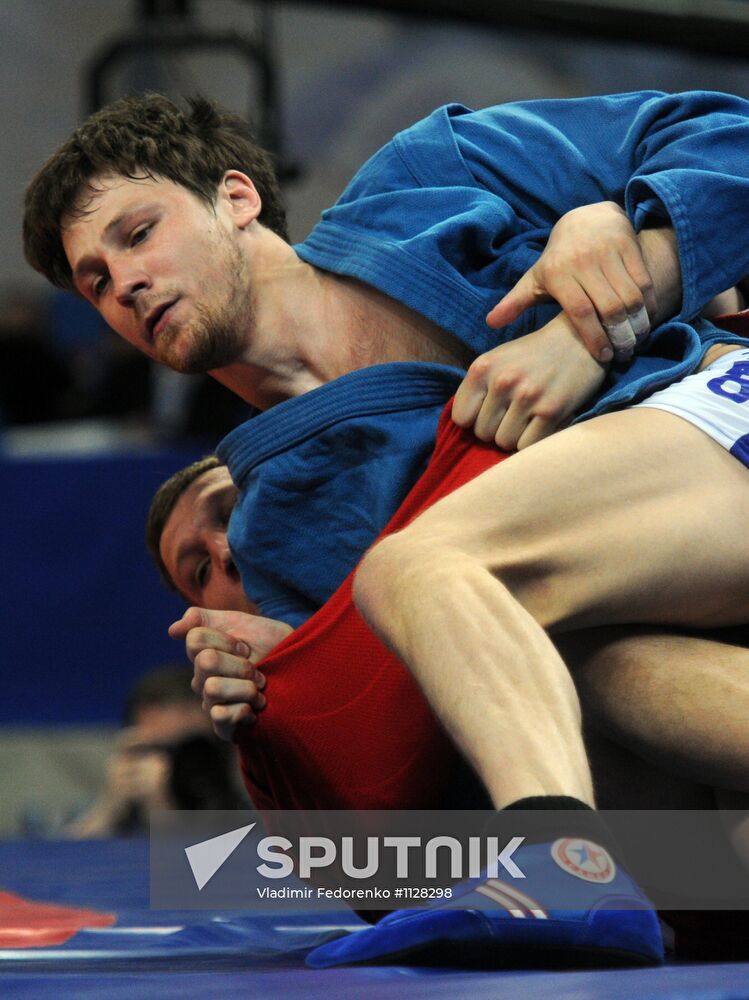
(163, 504)
(167, 685)
(147, 134)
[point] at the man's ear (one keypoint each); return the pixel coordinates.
(239, 197)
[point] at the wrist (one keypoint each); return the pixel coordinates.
(572, 342)
(660, 252)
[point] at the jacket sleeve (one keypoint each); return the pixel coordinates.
(450, 214)
(676, 158)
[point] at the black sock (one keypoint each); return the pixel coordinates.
(549, 802)
(557, 816)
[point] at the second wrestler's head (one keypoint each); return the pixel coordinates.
(186, 536)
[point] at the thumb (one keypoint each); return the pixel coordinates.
(525, 293)
(192, 618)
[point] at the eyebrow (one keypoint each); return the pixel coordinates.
(191, 548)
(187, 551)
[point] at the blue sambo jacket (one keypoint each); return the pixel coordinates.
(445, 218)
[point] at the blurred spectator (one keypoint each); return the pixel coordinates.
(123, 384)
(58, 362)
(166, 758)
(36, 379)
(193, 407)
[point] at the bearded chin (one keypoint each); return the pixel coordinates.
(215, 347)
(213, 342)
(217, 337)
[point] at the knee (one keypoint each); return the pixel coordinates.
(392, 575)
(386, 569)
(419, 566)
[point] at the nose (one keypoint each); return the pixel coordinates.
(128, 280)
(222, 553)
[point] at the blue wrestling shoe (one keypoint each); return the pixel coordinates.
(574, 908)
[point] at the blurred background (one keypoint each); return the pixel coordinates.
(88, 428)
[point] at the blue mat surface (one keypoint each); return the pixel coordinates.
(153, 954)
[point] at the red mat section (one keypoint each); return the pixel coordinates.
(28, 923)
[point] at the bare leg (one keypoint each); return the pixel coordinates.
(679, 702)
(634, 517)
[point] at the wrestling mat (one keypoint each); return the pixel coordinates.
(75, 922)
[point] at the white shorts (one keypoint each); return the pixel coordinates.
(715, 399)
